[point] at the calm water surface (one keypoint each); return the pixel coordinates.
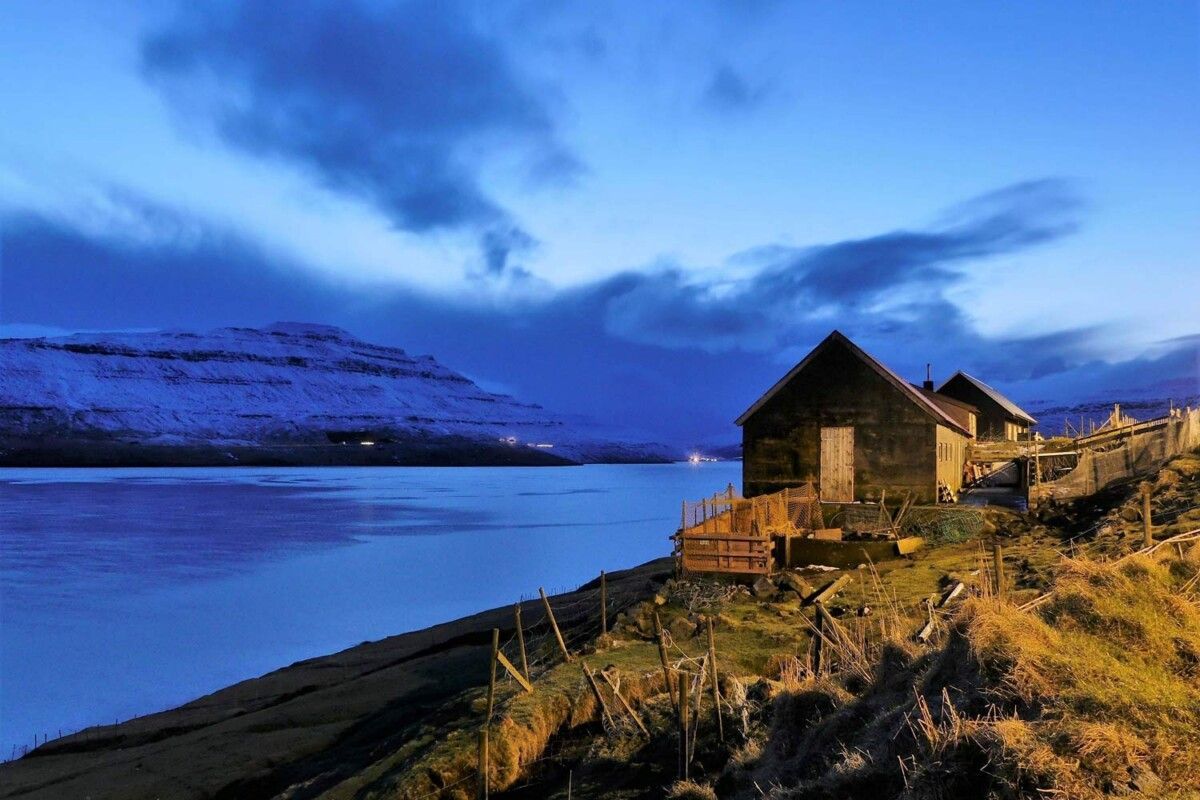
(128, 591)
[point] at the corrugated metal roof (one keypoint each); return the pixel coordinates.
(913, 393)
(1008, 405)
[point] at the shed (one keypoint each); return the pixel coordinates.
(999, 417)
(844, 419)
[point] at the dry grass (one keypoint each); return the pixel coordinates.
(1094, 694)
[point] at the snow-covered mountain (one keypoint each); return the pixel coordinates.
(288, 393)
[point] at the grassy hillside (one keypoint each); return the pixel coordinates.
(1081, 680)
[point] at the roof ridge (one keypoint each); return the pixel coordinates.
(882, 369)
(995, 394)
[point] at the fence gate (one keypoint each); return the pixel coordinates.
(837, 464)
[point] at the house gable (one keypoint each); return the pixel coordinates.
(836, 339)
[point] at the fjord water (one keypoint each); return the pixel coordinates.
(127, 591)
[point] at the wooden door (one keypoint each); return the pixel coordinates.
(837, 464)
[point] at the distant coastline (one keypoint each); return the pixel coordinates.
(440, 452)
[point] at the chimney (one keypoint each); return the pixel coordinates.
(928, 378)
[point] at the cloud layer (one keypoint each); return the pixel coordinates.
(668, 352)
(396, 104)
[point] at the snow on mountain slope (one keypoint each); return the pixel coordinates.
(290, 384)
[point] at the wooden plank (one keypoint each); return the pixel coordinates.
(954, 592)
(830, 590)
(504, 662)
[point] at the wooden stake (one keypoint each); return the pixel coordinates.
(554, 624)
(716, 689)
(624, 703)
(504, 662)
(1147, 534)
(483, 764)
(683, 725)
(662, 656)
(997, 570)
(521, 640)
(694, 730)
(487, 720)
(816, 646)
(603, 605)
(599, 697)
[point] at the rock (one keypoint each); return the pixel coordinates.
(1147, 782)
(681, 628)
(763, 588)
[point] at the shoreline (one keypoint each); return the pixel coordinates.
(449, 452)
(302, 718)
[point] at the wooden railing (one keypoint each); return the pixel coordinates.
(732, 534)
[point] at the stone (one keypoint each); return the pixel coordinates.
(1147, 782)
(681, 628)
(763, 588)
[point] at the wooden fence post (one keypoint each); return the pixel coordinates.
(662, 656)
(554, 624)
(603, 605)
(683, 725)
(997, 570)
(1147, 534)
(625, 703)
(487, 720)
(716, 689)
(521, 640)
(816, 648)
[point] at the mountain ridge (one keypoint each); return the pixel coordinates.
(288, 393)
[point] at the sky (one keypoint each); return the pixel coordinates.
(645, 213)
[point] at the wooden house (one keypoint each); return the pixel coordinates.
(845, 420)
(999, 417)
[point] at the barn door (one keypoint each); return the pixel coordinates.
(837, 464)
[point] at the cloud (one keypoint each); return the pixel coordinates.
(669, 352)
(395, 104)
(728, 91)
(894, 278)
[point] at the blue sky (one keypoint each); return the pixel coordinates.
(592, 204)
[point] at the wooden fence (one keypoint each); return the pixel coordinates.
(733, 534)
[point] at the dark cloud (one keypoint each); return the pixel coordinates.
(896, 277)
(500, 246)
(393, 103)
(728, 90)
(666, 352)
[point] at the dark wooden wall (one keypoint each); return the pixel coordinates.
(992, 416)
(894, 440)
